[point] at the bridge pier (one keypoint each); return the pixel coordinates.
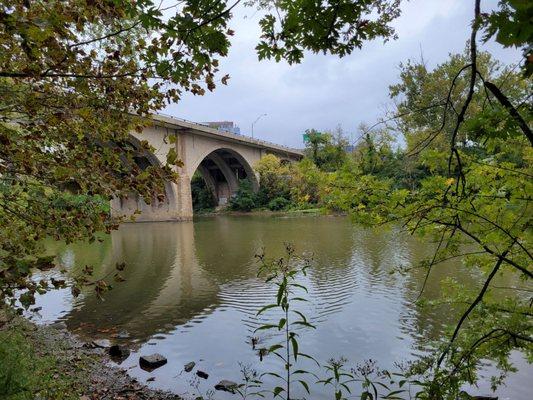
(184, 200)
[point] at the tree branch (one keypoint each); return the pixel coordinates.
(473, 305)
(504, 101)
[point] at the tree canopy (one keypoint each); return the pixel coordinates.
(78, 76)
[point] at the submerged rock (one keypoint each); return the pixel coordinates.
(202, 374)
(189, 366)
(152, 361)
(226, 386)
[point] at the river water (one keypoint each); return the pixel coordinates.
(191, 293)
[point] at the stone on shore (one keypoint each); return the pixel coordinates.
(102, 343)
(152, 361)
(58, 325)
(119, 352)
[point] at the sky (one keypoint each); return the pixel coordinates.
(324, 91)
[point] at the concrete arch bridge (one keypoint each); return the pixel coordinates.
(221, 158)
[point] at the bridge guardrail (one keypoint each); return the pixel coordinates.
(258, 141)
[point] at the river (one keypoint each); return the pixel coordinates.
(191, 293)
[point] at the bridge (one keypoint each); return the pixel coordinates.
(221, 158)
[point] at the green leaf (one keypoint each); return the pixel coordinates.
(305, 385)
(172, 156)
(265, 327)
(294, 343)
(277, 391)
(263, 309)
(281, 291)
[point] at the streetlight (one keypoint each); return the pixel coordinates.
(253, 123)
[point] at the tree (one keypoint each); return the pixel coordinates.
(274, 177)
(78, 76)
(468, 123)
(245, 198)
(326, 149)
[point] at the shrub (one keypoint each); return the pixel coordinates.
(245, 198)
(202, 198)
(279, 203)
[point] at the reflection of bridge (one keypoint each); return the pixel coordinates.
(222, 158)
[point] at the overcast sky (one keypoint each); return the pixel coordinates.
(325, 91)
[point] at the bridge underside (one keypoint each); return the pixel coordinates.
(221, 171)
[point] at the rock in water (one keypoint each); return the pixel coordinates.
(226, 386)
(102, 343)
(152, 361)
(118, 352)
(189, 366)
(202, 374)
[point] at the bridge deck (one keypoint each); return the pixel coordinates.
(204, 130)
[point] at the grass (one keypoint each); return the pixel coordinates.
(28, 372)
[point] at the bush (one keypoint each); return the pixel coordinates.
(279, 203)
(275, 179)
(245, 199)
(202, 198)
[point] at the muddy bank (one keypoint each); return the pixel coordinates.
(73, 369)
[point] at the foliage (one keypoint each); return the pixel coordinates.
(339, 378)
(245, 198)
(25, 374)
(510, 23)
(307, 183)
(283, 273)
(78, 77)
(291, 27)
(277, 204)
(367, 379)
(251, 383)
(274, 178)
(471, 143)
(327, 150)
(202, 197)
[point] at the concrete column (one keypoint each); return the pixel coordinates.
(184, 199)
(184, 195)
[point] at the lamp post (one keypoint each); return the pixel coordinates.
(253, 123)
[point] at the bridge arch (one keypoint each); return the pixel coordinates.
(222, 169)
(134, 203)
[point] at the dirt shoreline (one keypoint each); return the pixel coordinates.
(87, 366)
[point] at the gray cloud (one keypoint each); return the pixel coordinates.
(325, 91)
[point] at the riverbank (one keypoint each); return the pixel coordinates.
(48, 362)
(267, 213)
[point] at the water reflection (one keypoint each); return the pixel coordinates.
(191, 292)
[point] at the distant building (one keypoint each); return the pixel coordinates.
(225, 126)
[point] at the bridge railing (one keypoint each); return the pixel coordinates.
(254, 140)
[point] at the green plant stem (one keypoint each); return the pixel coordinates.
(287, 344)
